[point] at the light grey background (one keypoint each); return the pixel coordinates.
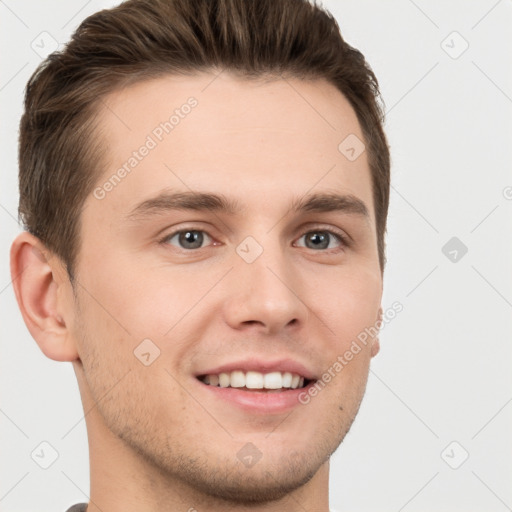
(444, 371)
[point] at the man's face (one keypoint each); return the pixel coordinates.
(262, 289)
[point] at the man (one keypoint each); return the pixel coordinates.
(204, 186)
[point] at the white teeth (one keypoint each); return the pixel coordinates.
(287, 380)
(255, 380)
(237, 379)
(273, 380)
(224, 380)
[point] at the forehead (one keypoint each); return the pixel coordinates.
(255, 139)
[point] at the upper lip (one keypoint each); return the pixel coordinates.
(262, 366)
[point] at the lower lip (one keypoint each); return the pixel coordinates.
(260, 401)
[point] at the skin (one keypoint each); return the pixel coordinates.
(157, 439)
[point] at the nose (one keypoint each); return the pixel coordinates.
(265, 295)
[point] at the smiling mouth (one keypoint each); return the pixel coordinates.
(273, 382)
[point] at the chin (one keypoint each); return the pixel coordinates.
(254, 485)
(273, 477)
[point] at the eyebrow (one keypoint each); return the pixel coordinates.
(202, 201)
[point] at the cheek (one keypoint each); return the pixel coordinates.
(126, 297)
(119, 381)
(348, 305)
(345, 307)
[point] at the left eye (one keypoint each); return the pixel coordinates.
(321, 239)
(188, 238)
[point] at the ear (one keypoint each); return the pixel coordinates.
(376, 343)
(44, 296)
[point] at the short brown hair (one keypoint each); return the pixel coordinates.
(59, 155)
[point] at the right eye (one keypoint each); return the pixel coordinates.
(188, 239)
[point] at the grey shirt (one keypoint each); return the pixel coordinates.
(79, 507)
(82, 507)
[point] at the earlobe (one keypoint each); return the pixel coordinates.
(39, 284)
(376, 342)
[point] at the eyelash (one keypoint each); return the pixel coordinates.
(342, 238)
